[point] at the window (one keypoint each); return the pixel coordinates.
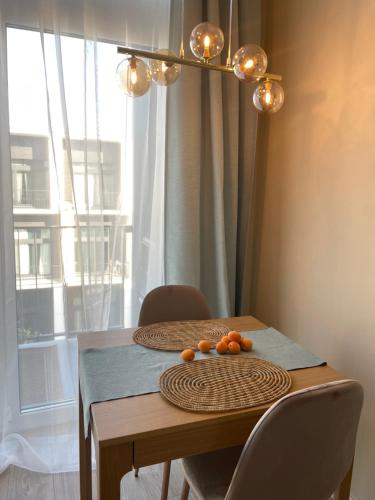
(72, 203)
(33, 253)
(30, 172)
(92, 250)
(96, 174)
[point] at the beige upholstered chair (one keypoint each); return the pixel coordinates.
(172, 303)
(301, 449)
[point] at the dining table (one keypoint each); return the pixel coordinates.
(143, 430)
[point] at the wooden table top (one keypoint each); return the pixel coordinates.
(149, 416)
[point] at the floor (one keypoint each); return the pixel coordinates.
(20, 484)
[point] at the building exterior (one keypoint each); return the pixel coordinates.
(71, 250)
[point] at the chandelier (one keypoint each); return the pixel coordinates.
(249, 65)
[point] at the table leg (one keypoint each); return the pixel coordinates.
(84, 457)
(112, 463)
(344, 490)
(165, 483)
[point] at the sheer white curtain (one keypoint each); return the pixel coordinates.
(81, 203)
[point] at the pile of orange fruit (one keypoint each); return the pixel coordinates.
(232, 343)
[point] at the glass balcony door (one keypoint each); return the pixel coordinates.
(71, 209)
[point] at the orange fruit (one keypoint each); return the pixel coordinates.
(204, 346)
(246, 344)
(221, 347)
(187, 355)
(234, 347)
(225, 339)
(234, 336)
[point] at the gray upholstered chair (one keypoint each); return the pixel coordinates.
(172, 303)
(301, 449)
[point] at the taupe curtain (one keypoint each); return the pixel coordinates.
(211, 137)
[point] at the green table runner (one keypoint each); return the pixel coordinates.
(123, 371)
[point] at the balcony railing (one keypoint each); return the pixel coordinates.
(40, 199)
(32, 198)
(57, 265)
(49, 256)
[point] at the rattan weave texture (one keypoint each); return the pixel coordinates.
(224, 383)
(179, 335)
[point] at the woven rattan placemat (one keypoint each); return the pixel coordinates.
(224, 383)
(179, 335)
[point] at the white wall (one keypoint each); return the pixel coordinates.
(316, 267)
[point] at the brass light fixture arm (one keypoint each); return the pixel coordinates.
(229, 56)
(191, 62)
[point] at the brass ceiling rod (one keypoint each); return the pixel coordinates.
(191, 62)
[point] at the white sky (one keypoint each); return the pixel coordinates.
(27, 96)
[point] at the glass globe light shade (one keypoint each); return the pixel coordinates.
(206, 41)
(268, 96)
(164, 72)
(134, 76)
(248, 60)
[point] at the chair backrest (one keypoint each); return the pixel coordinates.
(302, 447)
(173, 303)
